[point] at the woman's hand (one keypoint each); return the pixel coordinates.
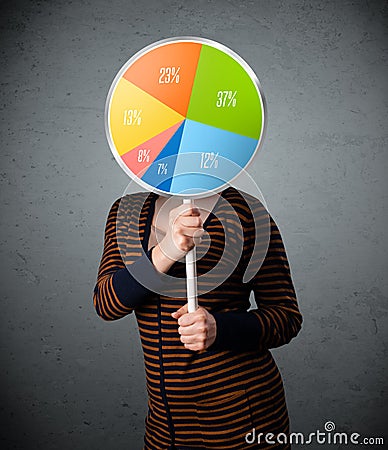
(197, 329)
(184, 230)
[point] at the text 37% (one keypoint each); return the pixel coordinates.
(226, 99)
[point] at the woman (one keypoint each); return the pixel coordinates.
(211, 378)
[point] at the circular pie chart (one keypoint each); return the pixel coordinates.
(185, 116)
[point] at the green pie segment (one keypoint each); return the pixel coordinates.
(224, 95)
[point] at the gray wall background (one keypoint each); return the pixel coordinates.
(70, 380)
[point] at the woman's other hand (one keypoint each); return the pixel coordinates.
(197, 329)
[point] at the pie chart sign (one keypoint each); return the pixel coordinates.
(184, 116)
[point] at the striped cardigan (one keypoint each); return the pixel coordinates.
(213, 398)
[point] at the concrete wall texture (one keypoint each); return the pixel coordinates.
(71, 380)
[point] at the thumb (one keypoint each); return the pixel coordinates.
(180, 312)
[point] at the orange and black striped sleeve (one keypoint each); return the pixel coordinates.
(277, 318)
(277, 306)
(117, 293)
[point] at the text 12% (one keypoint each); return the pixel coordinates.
(209, 160)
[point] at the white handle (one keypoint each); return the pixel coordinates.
(191, 275)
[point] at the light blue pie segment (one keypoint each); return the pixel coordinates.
(195, 171)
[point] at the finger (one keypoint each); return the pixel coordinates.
(189, 340)
(191, 221)
(192, 210)
(180, 311)
(183, 211)
(190, 232)
(187, 319)
(188, 330)
(197, 317)
(188, 210)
